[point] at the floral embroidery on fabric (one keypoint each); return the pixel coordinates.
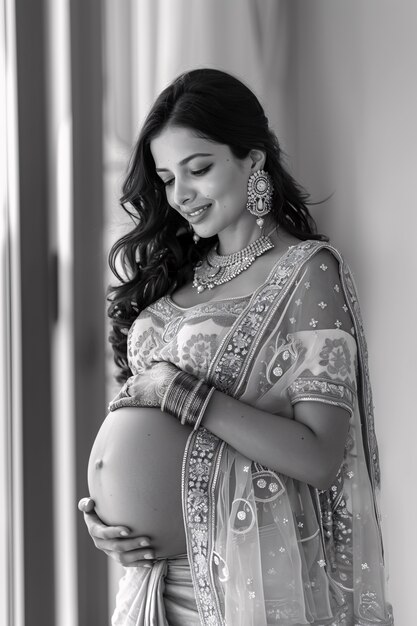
(171, 328)
(337, 531)
(232, 362)
(172, 318)
(281, 356)
(324, 390)
(234, 307)
(198, 353)
(161, 310)
(199, 479)
(140, 349)
(237, 352)
(336, 357)
(370, 608)
(241, 341)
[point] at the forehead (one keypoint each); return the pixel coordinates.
(173, 144)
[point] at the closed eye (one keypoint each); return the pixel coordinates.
(202, 171)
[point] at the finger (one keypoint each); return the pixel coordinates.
(139, 563)
(86, 505)
(128, 559)
(99, 530)
(138, 544)
(127, 402)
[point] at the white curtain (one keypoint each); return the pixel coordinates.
(248, 38)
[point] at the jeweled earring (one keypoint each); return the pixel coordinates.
(260, 190)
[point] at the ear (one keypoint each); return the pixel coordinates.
(257, 160)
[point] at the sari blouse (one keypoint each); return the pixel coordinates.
(265, 548)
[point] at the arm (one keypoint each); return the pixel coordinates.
(308, 448)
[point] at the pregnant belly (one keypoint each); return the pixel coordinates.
(134, 475)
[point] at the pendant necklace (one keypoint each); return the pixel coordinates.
(217, 269)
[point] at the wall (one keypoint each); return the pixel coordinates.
(355, 101)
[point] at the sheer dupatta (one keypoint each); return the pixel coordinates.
(264, 548)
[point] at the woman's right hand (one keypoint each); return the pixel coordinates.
(115, 540)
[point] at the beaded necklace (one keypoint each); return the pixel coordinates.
(217, 269)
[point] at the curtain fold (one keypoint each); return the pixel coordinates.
(247, 38)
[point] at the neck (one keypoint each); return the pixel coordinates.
(236, 239)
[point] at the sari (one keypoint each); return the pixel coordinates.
(264, 548)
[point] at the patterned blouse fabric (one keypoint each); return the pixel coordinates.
(264, 548)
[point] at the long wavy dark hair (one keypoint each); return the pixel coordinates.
(158, 254)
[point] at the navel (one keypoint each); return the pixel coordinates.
(99, 464)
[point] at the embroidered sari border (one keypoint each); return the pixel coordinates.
(200, 471)
(233, 358)
(323, 390)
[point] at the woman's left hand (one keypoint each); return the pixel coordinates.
(146, 388)
(116, 541)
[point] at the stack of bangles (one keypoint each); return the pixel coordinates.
(187, 399)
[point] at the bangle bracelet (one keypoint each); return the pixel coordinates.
(186, 398)
(203, 409)
(167, 390)
(176, 394)
(190, 403)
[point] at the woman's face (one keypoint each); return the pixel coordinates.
(204, 181)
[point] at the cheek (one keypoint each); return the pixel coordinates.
(229, 185)
(170, 199)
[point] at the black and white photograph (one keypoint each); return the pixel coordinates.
(206, 237)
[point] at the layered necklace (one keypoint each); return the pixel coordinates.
(217, 269)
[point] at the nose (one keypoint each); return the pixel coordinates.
(183, 192)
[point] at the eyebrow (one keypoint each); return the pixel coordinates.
(184, 161)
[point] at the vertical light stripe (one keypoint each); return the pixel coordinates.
(5, 491)
(61, 236)
(12, 604)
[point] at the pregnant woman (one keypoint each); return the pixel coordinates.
(236, 474)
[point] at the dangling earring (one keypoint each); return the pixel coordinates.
(260, 190)
(196, 237)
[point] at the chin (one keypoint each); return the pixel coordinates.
(206, 233)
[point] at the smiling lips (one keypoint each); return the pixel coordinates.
(197, 212)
